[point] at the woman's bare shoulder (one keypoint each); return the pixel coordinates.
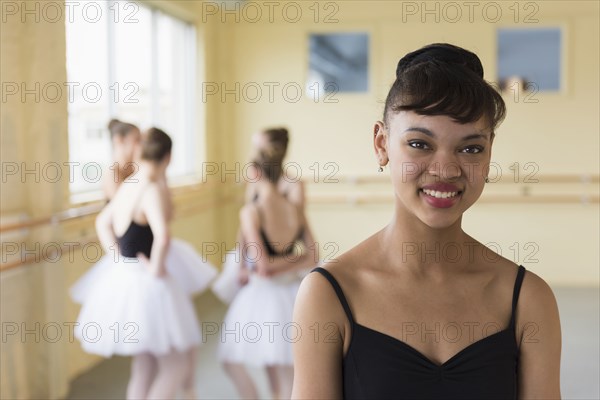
(248, 212)
(341, 268)
(537, 306)
(151, 191)
(348, 267)
(293, 189)
(318, 303)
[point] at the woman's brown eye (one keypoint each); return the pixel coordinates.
(418, 145)
(473, 149)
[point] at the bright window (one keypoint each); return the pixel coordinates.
(136, 64)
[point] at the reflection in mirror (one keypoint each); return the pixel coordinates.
(529, 59)
(338, 62)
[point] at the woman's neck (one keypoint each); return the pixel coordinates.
(122, 159)
(151, 171)
(266, 185)
(407, 242)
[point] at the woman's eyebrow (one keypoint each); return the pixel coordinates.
(475, 136)
(431, 134)
(422, 130)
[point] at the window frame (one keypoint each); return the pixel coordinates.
(192, 123)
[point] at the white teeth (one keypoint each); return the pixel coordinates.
(439, 195)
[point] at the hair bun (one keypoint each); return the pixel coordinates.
(438, 53)
(271, 155)
(156, 144)
(113, 123)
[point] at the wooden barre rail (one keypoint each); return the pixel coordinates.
(62, 216)
(524, 178)
(90, 210)
(32, 258)
(94, 208)
(364, 198)
(191, 210)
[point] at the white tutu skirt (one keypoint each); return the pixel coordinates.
(227, 284)
(258, 329)
(183, 263)
(188, 268)
(126, 310)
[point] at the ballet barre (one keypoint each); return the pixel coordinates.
(66, 215)
(91, 209)
(505, 180)
(191, 189)
(369, 198)
(523, 192)
(71, 214)
(29, 258)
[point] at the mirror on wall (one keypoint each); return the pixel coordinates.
(338, 62)
(529, 59)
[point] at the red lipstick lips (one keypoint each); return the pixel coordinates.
(440, 194)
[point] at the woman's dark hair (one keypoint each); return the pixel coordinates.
(442, 79)
(270, 158)
(120, 128)
(156, 144)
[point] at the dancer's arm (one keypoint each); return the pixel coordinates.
(540, 340)
(244, 271)
(317, 353)
(249, 194)
(266, 265)
(156, 209)
(110, 184)
(308, 259)
(104, 228)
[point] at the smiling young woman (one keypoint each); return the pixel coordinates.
(420, 309)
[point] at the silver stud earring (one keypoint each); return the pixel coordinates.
(380, 168)
(487, 180)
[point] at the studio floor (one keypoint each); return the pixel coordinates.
(580, 319)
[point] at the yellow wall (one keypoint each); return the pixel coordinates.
(559, 134)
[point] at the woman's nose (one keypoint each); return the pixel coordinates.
(445, 166)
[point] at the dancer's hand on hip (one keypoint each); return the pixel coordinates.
(159, 272)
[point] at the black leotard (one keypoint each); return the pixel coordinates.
(136, 239)
(378, 366)
(289, 248)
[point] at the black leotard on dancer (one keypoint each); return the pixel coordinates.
(136, 239)
(289, 248)
(378, 366)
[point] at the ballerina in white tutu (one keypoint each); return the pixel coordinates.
(257, 328)
(125, 143)
(139, 304)
(236, 266)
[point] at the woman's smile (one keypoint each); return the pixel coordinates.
(440, 195)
